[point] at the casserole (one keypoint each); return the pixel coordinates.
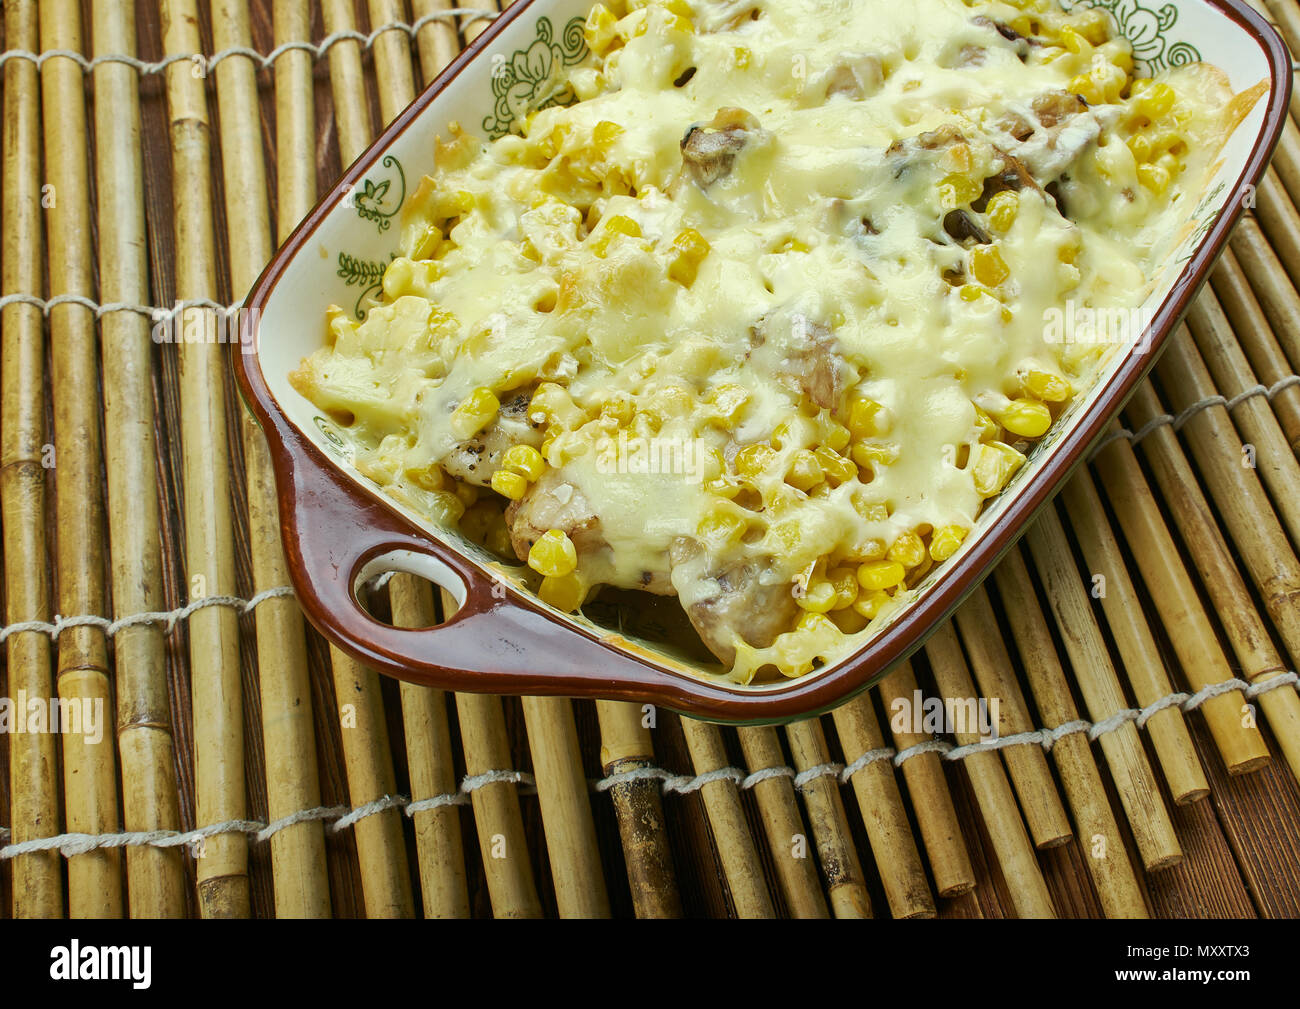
(504, 639)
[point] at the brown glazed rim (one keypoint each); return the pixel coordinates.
(508, 642)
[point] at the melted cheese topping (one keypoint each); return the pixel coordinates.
(775, 300)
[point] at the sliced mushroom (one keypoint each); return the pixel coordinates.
(1053, 107)
(855, 75)
(709, 149)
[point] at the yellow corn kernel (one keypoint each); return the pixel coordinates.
(605, 133)
(867, 418)
(814, 623)
(729, 401)
(993, 466)
(971, 292)
(944, 542)
(835, 466)
(524, 460)
(988, 427)
(849, 621)
(467, 493)
(721, 526)
(1047, 387)
(845, 582)
(689, 250)
(1002, 211)
(741, 57)
(880, 575)
(1154, 177)
(1073, 41)
(565, 593)
(553, 555)
(509, 485)
(1140, 145)
(870, 603)
(868, 455)
(837, 437)
(474, 413)
(753, 460)
(805, 471)
(1156, 101)
(553, 404)
(599, 29)
(871, 511)
(958, 190)
(498, 539)
(818, 597)
(908, 550)
(1087, 88)
(987, 265)
(1027, 418)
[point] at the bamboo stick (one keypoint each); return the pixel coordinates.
(1250, 329)
(437, 41)
(1002, 821)
(1224, 368)
(731, 837)
(209, 536)
(1277, 216)
(566, 808)
(1277, 297)
(381, 848)
(501, 838)
(945, 848)
(1283, 16)
(883, 814)
(1093, 671)
(289, 740)
(625, 748)
(429, 757)
(845, 882)
(1142, 662)
(33, 763)
(1027, 764)
(1099, 834)
(89, 774)
(1239, 495)
(1245, 628)
(155, 876)
(472, 29)
(787, 839)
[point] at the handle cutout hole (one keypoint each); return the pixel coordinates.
(406, 589)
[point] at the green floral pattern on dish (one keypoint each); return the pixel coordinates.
(534, 78)
(1147, 29)
(366, 274)
(371, 198)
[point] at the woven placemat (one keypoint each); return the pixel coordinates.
(154, 153)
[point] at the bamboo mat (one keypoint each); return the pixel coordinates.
(254, 771)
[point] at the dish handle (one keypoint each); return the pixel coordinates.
(337, 536)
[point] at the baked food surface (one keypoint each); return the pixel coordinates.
(764, 318)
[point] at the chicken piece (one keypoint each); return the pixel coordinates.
(812, 363)
(476, 459)
(709, 149)
(855, 75)
(554, 502)
(743, 598)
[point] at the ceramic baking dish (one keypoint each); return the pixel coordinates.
(340, 530)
